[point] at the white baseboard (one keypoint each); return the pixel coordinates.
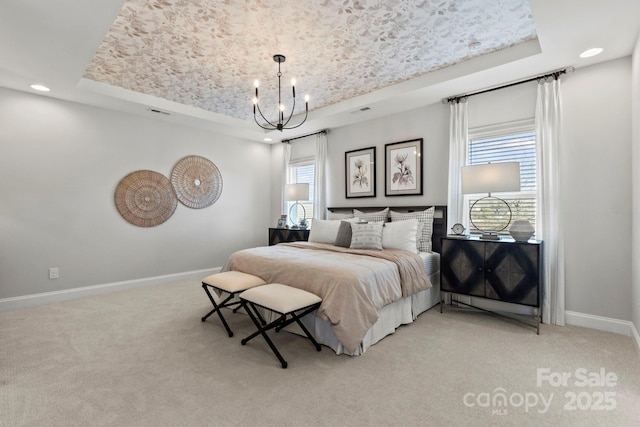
(607, 324)
(635, 335)
(622, 327)
(34, 300)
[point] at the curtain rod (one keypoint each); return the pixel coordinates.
(555, 74)
(325, 131)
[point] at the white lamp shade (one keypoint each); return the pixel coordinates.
(491, 178)
(296, 192)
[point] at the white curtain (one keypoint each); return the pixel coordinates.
(458, 135)
(286, 158)
(320, 180)
(548, 204)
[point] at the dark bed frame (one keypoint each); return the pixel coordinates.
(439, 218)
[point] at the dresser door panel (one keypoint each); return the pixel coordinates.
(462, 267)
(511, 273)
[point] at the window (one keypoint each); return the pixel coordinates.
(300, 173)
(507, 144)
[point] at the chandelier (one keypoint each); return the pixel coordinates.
(281, 124)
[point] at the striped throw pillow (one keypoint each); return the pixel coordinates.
(379, 216)
(366, 236)
(335, 215)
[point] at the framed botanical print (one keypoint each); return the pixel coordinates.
(360, 173)
(403, 168)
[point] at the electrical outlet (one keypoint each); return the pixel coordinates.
(54, 273)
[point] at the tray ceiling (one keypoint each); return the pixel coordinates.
(196, 60)
(207, 53)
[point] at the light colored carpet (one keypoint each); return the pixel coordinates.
(144, 358)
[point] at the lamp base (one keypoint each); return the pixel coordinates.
(489, 236)
(304, 216)
(490, 215)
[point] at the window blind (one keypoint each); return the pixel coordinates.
(303, 174)
(520, 147)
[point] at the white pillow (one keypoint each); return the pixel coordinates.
(401, 235)
(324, 231)
(421, 226)
(425, 217)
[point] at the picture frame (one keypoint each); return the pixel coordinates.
(360, 173)
(403, 168)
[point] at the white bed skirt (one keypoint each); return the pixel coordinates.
(391, 316)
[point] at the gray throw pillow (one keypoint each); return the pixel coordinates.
(344, 235)
(366, 236)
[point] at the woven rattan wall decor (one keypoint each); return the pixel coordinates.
(145, 198)
(197, 182)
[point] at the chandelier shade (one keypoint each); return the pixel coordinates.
(281, 124)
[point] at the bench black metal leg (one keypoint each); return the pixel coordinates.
(216, 309)
(208, 314)
(239, 306)
(262, 331)
(313, 340)
(257, 313)
(296, 318)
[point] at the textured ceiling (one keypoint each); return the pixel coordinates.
(207, 53)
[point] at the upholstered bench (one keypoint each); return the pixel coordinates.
(283, 300)
(231, 283)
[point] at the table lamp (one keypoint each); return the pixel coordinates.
(490, 214)
(295, 193)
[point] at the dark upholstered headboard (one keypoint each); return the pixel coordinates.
(439, 218)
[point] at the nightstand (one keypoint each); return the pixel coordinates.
(282, 235)
(499, 270)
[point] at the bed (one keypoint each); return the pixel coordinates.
(367, 293)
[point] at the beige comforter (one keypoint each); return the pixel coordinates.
(353, 284)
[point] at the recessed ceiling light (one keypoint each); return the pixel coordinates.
(268, 140)
(591, 52)
(41, 88)
(474, 44)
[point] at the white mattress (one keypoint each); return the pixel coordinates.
(431, 262)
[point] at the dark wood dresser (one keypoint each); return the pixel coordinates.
(281, 235)
(502, 270)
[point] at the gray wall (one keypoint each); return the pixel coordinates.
(430, 123)
(596, 173)
(597, 185)
(635, 237)
(61, 163)
(59, 167)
